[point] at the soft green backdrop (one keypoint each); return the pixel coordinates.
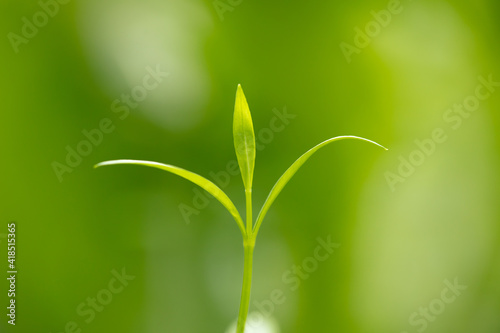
(399, 243)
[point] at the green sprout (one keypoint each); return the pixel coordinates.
(244, 143)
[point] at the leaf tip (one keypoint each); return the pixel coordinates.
(385, 148)
(100, 164)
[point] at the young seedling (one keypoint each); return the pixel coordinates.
(244, 143)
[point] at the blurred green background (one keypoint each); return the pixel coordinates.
(409, 221)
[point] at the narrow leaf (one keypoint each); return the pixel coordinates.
(204, 183)
(280, 184)
(244, 138)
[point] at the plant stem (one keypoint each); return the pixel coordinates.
(248, 245)
(248, 196)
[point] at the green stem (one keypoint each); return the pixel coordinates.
(248, 196)
(248, 245)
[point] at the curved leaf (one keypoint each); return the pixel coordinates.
(202, 182)
(280, 184)
(244, 138)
